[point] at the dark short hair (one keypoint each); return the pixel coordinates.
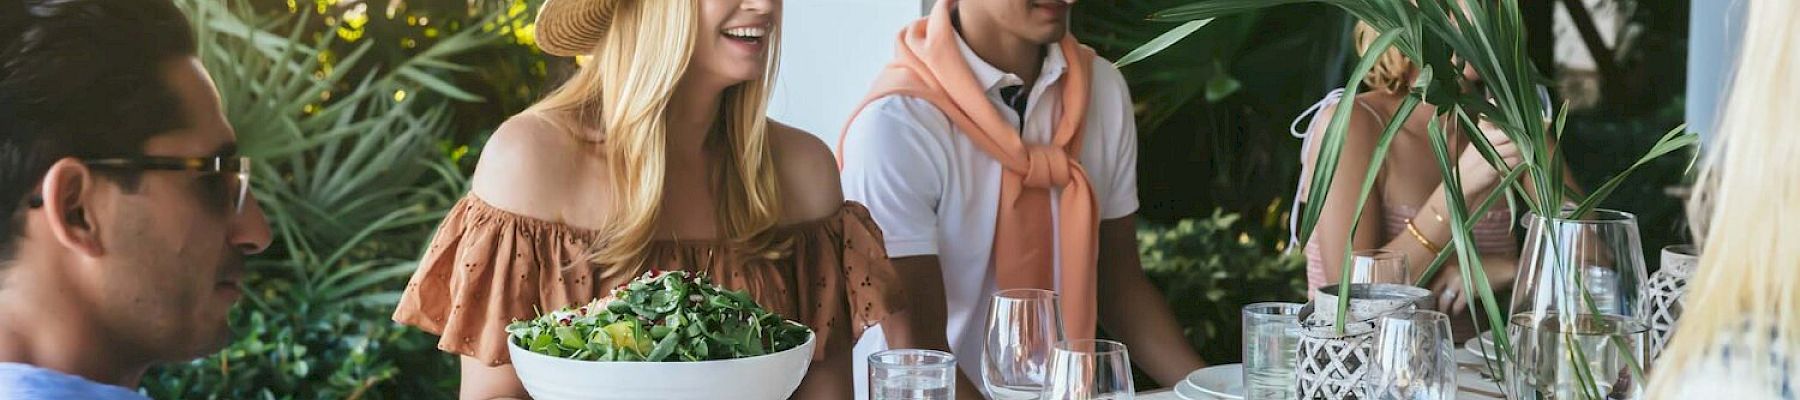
(81, 78)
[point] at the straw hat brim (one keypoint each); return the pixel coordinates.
(571, 28)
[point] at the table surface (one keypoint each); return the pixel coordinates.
(1471, 385)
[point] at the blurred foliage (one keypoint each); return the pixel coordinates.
(358, 133)
(1213, 110)
(505, 77)
(1210, 267)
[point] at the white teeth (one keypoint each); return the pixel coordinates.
(747, 32)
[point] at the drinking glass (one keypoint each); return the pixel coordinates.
(1413, 357)
(912, 374)
(1024, 326)
(1576, 328)
(1379, 266)
(1089, 369)
(1271, 338)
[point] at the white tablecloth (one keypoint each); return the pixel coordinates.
(1471, 385)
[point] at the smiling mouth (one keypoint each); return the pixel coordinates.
(748, 35)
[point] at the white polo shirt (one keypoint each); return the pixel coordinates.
(934, 192)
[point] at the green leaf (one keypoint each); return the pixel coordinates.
(438, 85)
(1677, 139)
(566, 336)
(1221, 85)
(663, 348)
(1407, 105)
(1161, 42)
(1216, 8)
(1462, 240)
(1325, 167)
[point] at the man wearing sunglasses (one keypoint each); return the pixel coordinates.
(125, 213)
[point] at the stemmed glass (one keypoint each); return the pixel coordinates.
(1024, 325)
(1575, 326)
(1090, 369)
(1413, 358)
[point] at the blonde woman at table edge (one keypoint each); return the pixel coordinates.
(655, 155)
(1740, 329)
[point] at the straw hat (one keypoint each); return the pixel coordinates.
(571, 28)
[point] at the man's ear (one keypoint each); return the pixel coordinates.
(68, 193)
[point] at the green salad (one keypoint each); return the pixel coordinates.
(662, 316)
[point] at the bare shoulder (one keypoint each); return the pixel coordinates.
(1363, 125)
(527, 165)
(808, 173)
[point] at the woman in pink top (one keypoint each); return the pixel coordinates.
(1405, 211)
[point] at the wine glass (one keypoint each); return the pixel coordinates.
(1575, 326)
(1024, 325)
(1413, 358)
(1090, 369)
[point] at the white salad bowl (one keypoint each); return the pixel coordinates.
(771, 376)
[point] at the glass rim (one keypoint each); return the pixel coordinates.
(1686, 249)
(1025, 294)
(1281, 305)
(938, 359)
(1599, 216)
(1112, 346)
(1415, 315)
(1378, 254)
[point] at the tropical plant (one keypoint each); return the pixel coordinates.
(1441, 37)
(353, 176)
(1212, 111)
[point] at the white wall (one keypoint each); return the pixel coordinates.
(1715, 30)
(830, 52)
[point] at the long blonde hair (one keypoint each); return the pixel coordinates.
(1746, 290)
(627, 86)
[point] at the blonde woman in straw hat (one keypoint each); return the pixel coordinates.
(655, 155)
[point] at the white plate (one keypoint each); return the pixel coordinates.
(1189, 392)
(1480, 344)
(1219, 381)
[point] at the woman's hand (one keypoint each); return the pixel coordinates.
(1448, 285)
(1478, 176)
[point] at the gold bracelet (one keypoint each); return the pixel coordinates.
(1414, 230)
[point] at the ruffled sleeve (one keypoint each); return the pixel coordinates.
(853, 285)
(484, 268)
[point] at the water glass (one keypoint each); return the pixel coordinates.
(1379, 266)
(1090, 369)
(1271, 337)
(1593, 265)
(1413, 357)
(912, 374)
(1576, 326)
(1024, 326)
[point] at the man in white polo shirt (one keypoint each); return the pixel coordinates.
(998, 153)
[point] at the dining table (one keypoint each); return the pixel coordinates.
(1471, 383)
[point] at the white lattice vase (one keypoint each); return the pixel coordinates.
(1333, 364)
(1664, 294)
